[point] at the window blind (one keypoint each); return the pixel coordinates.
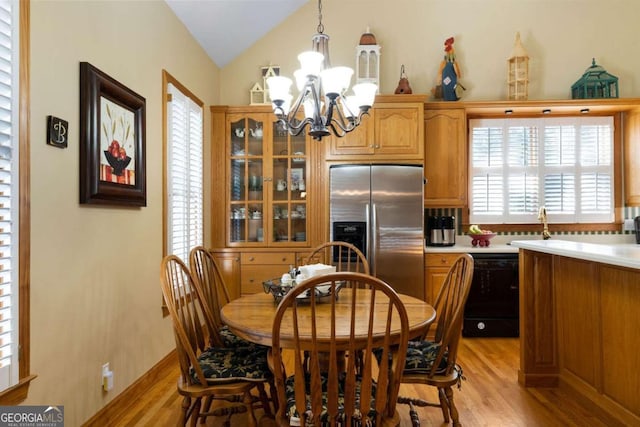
(9, 343)
(185, 173)
(564, 164)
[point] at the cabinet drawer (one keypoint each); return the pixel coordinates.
(281, 258)
(440, 259)
(252, 276)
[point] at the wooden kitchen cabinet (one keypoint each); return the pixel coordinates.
(256, 267)
(632, 158)
(229, 264)
(445, 157)
(393, 130)
(436, 268)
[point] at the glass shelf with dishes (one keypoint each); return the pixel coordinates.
(246, 195)
(289, 190)
(267, 202)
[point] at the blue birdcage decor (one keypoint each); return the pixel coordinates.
(595, 83)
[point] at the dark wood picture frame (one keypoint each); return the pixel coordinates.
(112, 141)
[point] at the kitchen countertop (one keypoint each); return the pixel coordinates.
(620, 254)
(499, 244)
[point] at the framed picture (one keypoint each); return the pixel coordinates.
(112, 141)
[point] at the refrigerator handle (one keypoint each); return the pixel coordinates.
(373, 230)
(369, 254)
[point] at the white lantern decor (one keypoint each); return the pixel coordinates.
(368, 60)
(518, 72)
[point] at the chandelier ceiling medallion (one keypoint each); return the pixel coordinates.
(321, 96)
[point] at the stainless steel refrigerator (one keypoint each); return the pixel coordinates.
(380, 209)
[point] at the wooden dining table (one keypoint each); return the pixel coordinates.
(251, 316)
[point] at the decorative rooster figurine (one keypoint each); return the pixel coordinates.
(450, 73)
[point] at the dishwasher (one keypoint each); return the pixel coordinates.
(492, 308)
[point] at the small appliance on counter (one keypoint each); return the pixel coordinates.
(441, 230)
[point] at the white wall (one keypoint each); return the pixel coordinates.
(561, 36)
(95, 292)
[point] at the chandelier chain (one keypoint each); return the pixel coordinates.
(320, 25)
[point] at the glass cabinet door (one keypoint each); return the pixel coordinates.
(289, 189)
(247, 202)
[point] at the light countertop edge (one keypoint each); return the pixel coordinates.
(462, 248)
(620, 254)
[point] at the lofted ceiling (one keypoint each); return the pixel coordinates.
(225, 28)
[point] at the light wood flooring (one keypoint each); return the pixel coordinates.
(490, 396)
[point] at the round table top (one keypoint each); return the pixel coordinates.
(251, 316)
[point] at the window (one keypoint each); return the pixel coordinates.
(519, 165)
(184, 170)
(14, 204)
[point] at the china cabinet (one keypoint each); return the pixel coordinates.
(445, 157)
(266, 183)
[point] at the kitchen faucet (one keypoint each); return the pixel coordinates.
(542, 216)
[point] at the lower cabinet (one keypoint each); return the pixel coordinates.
(436, 268)
(229, 263)
(256, 267)
(244, 272)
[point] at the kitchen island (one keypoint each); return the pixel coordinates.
(580, 322)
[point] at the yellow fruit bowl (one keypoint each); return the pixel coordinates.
(481, 239)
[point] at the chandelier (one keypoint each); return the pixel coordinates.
(321, 99)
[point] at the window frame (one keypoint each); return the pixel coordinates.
(167, 79)
(18, 392)
(614, 226)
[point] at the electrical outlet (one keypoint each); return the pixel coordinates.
(107, 377)
(628, 225)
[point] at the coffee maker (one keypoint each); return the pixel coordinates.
(441, 230)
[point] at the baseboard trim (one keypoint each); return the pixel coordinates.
(112, 411)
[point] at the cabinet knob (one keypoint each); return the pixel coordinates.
(251, 258)
(284, 259)
(443, 260)
(237, 259)
(250, 280)
(377, 146)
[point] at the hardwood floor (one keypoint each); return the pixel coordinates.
(490, 396)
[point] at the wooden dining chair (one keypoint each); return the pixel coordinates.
(433, 360)
(208, 277)
(208, 372)
(344, 256)
(329, 390)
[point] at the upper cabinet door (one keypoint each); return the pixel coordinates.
(246, 201)
(398, 131)
(445, 158)
(392, 131)
(289, 187)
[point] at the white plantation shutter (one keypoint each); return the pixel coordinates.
(8, 194)
(185, 174)
(564, 164)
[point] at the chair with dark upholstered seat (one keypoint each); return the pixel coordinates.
(432, 361)
(208, 277)
(208, 372)
(327, 389)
